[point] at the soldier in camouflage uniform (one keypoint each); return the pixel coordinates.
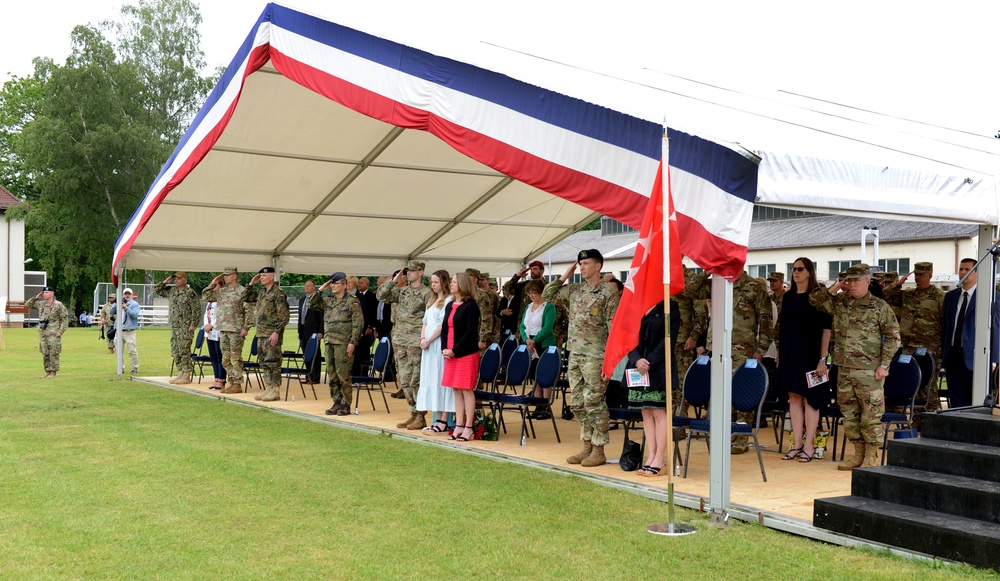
(343, 323)
(867, 337)
(486, 310)
(233, 319)
(53, 322)
(185, 314)
(776, 281)
(515, 287)
(108, 322)
(272, 316)
(920, 313)
(487, 286)
(592, 304)
(411, 302)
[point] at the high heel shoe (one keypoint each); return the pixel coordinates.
(454, 433)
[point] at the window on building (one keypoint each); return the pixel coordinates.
(838, 265)
(761, 270)
(761, 213)
(900, 265)
(611, 227)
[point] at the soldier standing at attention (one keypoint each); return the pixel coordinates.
(108, 322)
(342, 327)
(233, 319)
(185, 313)
(776, 281)
(484, 283)
(53, 322)
(591, 305)
(486, 311)
(411, 301)
(920, 312)
(866, 337)
(272, 316)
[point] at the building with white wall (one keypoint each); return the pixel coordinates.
(11, 256)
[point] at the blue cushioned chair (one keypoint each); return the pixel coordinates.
(376, 375)
(546, 373)
(900, 389)
(310, 360)
(697, 391)
(252, 367)
(489, 369)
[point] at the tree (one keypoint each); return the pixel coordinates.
(83, 141)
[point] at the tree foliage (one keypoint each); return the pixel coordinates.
(83, 141)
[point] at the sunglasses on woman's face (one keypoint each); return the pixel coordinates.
(798, 268)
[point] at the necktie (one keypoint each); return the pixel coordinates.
(960, 321)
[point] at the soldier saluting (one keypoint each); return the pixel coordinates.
(272, 317)
(342, 327)
(53, 321)
(233, 318)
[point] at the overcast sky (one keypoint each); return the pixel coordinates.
(935, 64)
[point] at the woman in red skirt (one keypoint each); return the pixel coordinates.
(460, 342)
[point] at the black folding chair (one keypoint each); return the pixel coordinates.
(900, 389)
(376, 375)
(310, 362)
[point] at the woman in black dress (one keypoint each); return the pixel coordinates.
(803, 339)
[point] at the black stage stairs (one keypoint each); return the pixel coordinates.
(939, 494)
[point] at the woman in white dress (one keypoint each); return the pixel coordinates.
(432, 396)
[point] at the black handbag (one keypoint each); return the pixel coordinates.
(631, 457)
(111, 333)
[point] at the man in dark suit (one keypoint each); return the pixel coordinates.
(369, 307)
(310, 322)
(958, 335)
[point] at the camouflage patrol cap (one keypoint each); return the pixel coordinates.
(922, 267)
(878, 276)
(474, 273)
(230, 270)
(180, 274)
(776, 276)
(485, 275)
(891, 276)
(415, 265)
(591, 253)
(856, 271)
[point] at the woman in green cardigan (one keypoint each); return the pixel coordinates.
(538, 333)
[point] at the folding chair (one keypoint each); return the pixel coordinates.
(516, 376)
(376, 375)
(545, 376)
(507, 349)
(900, 389)
(749, 388)
(489, 369)
(697, 391)
(252, 367)
(310, 361)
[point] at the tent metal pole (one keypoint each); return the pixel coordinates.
(981, 357)
(721, 401)
(119, 358)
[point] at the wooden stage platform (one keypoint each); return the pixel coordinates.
(789, 491)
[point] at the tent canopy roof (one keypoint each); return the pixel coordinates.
(272, 168)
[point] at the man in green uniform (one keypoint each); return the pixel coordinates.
(491, 293)
(272, 317)
(920, 315)
(866, 338)
(486, 310)
(233, 319)
(776, 281)
(591, 306)
(185, 314)
(108, 323)
(342, 327)
(515, 287)
(53, 320)
(408, 313)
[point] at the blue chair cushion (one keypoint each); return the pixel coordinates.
(704, 426)
(894, 417)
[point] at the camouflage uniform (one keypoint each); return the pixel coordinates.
(560, 327)
(108, 322)
(515, 288)
(56, 321)
(494, 299)
(272, 316)
(233, 318)
(342, 326)
(591, 309)
(920, 316)
(185, 313)
(867, 336)
(409, 317)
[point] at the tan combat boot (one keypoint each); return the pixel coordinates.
(408, 421)
(48, 375)
(270, 394)
(232, 388)
(582, 455)
(419, 423)
(871, 456)
(184, 378)
(174, 380)
(855, 460)
(52, 375)
(596, 458)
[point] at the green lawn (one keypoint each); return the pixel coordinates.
(104, 478)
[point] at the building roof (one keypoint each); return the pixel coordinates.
(789, 233)
(7, 199)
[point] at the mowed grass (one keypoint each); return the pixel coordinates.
(106, 478)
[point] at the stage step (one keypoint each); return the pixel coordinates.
(943, 535)
(946, 457)
(976, 426)
(945, 493)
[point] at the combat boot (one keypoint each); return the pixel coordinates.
(270, 394)
(184, 378)
(174, 380)
(111, 351)
(408, 421)
(417, 424)
(52, 375)
(596, 458)
(232, 388)
(855, 460)
(582, 455)
(871, 456)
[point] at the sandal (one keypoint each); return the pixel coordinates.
(651, 471)
(792, 454)
(803, 457)
(471, 436)
(438, 427)
(455, 431)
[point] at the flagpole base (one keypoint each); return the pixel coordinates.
(671, 529)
